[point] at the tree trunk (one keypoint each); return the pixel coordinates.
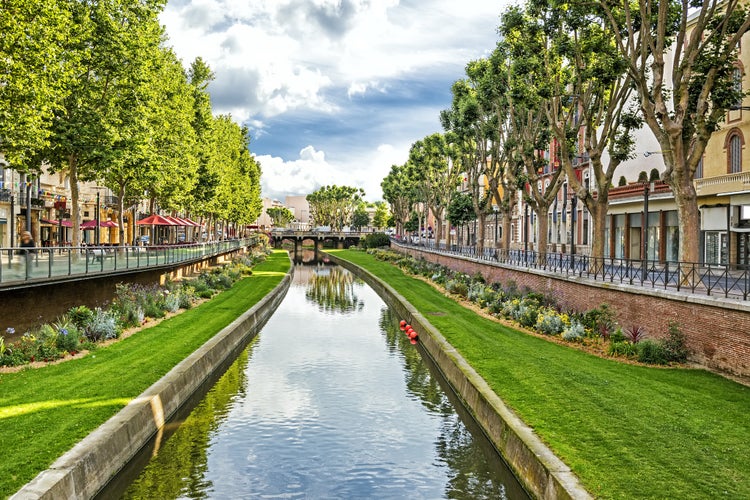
(480, 236)
(75, 212)
(542, 226)
(599, 216)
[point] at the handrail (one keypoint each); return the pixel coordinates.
(19, 265)
(729, 281)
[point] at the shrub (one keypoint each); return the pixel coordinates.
(617, 335)
(529, 315)
(623, 181)
(376, 240)
(674, 345)
(623, 348)
(635, 333)
(457, 286)
(652, 352)
(171, 301)
(80, 316)
(68, 336)
(574, 333)
(102, 326)
(600, 319)
(549, 322)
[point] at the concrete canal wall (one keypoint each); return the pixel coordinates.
(537, 468)
(87, 467)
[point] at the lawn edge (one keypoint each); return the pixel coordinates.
(87, 467)
(540, 471)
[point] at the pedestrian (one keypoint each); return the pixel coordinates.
(27, 247)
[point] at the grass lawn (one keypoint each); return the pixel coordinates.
(45, 411)
(627, 431)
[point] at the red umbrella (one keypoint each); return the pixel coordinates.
(156, 220)
(91, 224)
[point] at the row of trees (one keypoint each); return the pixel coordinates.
(576, 79)
(90, 90)
(343, 206)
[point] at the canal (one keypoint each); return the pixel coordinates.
(329, 401)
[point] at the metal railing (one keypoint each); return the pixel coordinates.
(729, 281)
(19, 265)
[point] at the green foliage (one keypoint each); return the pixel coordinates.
(575, 332)
(642, 176)
(624, 348)
(376, 240)
(674, 344)
(651, 352)
(549, 322)
(654, 175)
(360, 217)
(334, 205)
(281, 216)
(623, 181)
(80, 316)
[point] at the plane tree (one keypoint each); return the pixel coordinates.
(681, 56)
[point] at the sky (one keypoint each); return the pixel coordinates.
(332, 91)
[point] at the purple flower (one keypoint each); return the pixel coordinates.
(64, 331)
(10, 330)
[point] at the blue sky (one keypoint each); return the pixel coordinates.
(333, 91)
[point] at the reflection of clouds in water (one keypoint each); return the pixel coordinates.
(276, 398)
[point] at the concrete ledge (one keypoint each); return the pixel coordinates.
(536, 467)
(91, 464)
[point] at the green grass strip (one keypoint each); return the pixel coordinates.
(44, 412)
(626, 431)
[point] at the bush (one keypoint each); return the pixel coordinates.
(68, 336)
(549, 322)
(652, 352)
(80, 316)
(376, 240)
(574, 333)
(528, 315)
(674, 345)
(102, 326)
(458, 287)
(600, 320)
(623, 348)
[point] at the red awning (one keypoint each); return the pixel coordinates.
(91, 224)
(156, 220)
(65, 223)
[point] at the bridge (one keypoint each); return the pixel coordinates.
(340, 239)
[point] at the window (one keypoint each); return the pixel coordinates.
(735, 154)
(699, 169)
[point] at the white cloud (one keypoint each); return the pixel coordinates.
(311, 171)
(338, 65)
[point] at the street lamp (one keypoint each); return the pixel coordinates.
(97, 216)
(573, 203)
(646, 154)
(495, 209)
(644, 244)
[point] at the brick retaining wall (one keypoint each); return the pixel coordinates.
(717, 329)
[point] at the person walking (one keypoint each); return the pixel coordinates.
(27, 249)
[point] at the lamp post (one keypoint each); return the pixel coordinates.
(573, 203)
(526, 233)
(644, 236)
(495, 209)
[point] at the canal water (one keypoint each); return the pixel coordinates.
(329, 401)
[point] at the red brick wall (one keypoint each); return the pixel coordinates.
(717, 331)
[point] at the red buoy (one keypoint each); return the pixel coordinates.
(413, 341)
(402, 324)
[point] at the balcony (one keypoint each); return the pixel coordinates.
(723, 184)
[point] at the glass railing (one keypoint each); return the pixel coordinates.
(26, 265)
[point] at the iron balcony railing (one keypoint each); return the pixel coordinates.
(729, 281)
(23, 265)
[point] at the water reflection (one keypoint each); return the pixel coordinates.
(332, 288)
(180, 465)
(333, 403)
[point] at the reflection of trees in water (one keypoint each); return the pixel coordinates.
(332, 288)
(474, 469)
(180, 467)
